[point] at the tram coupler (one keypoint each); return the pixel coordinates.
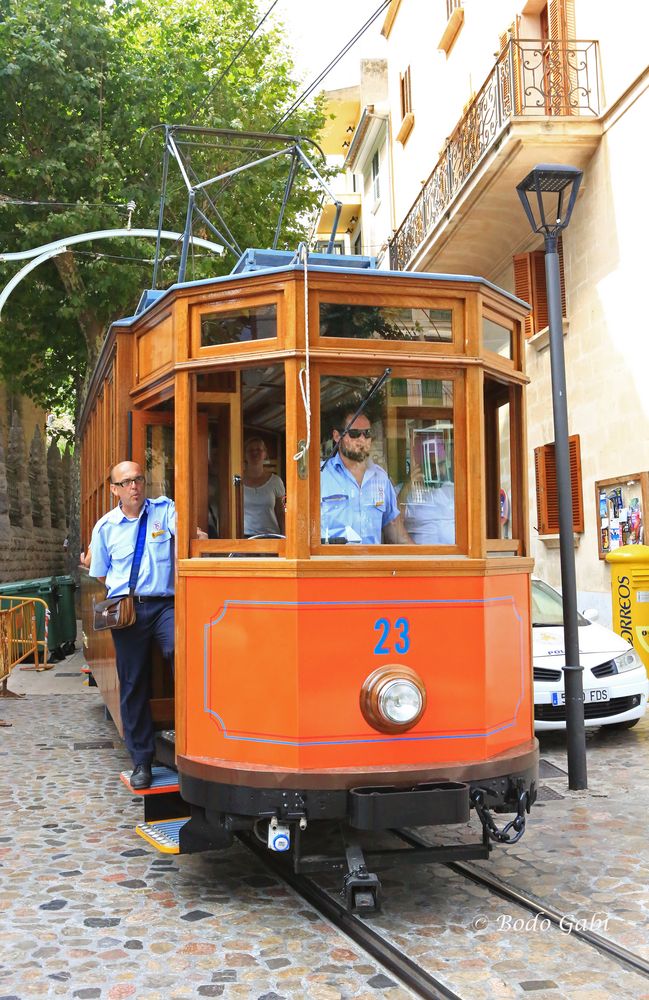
(511, 832)
(361, 888)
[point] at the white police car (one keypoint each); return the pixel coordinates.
(614, 677)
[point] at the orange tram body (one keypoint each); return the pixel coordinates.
(322, 673)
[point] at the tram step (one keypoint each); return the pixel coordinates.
(164, 835)
(164, 780)
(162, 800)
(165, 747)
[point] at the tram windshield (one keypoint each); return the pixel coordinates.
(388, 476)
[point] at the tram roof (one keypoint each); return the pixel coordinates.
(255, 262)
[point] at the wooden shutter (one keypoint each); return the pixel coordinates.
(547, 496)
(530, 285)
(511, 90)
(539, 290)
(523, 287)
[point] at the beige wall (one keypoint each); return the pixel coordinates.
(607, 343)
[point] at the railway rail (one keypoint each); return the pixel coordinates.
(407, 971)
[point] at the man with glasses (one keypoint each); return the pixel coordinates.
(358, 501)
(112, 550)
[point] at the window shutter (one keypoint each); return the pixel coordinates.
(530, 285)
(547, 495)
(539, 290)
(523, 287)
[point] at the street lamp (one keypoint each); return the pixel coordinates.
(551, 190)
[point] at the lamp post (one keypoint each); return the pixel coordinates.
(552, 190)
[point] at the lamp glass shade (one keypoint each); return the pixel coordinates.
(548, 196)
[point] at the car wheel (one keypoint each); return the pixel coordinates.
(627, 724)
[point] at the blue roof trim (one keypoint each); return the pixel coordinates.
(258, 262)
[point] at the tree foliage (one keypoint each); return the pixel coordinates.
(83, 85)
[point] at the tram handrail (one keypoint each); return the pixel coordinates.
(19, 635)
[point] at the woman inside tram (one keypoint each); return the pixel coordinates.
(263, 493)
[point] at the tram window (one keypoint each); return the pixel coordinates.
(501, 486)
(241, 491)
(390, 478)
(497, 338)
(159, 460)
(369, 322)
(239, 325)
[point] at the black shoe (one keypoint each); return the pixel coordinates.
(141, 776)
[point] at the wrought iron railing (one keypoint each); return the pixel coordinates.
(530, 78)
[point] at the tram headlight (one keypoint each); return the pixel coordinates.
(393, 698)
(400, 701)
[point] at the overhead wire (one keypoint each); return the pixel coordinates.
(309, 90)
(320, 77)
(234, 59)
(10, 200)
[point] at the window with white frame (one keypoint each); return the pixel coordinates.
(376, 187)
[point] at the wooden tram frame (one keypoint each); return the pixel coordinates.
(152, 359)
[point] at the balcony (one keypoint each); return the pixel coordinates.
(540, 103)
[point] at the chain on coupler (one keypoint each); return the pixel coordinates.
(517, 824)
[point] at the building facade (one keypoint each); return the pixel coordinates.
(477, 95)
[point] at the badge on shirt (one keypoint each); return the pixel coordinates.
(380, 496)
(159, 530)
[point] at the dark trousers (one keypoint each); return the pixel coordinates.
(154, 622)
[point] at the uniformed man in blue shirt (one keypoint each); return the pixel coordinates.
(112, 548)
(358, 502)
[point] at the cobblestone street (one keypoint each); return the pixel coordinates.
(91, 911)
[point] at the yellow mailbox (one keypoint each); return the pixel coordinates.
(630, 593)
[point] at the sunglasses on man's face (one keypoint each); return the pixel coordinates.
(357, 432)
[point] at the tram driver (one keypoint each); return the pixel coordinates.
(358, 503)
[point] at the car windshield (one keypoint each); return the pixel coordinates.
(547, 608)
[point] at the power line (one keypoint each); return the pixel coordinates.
(235, 57)
(6, 199)
(309, 90)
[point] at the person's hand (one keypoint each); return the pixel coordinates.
(201, 535)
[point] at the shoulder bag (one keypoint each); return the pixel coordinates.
(119, 612)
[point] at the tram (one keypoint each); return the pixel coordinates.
(323, 674)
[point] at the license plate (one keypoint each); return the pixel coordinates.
(593, 696)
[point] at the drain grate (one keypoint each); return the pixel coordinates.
(94, 745)
(548, 770)
(546, 794)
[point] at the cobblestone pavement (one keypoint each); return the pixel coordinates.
(585, 853)
(91, 911)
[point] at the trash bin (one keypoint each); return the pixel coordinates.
(630, 593)
(65, 588)
(44, 588)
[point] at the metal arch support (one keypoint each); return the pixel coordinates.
(107, 234)
(41, 254)
(24, 271)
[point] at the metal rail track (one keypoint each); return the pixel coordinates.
(565, 922)
(407, 972)
(404, 969)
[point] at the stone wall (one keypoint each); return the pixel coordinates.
(33, 518)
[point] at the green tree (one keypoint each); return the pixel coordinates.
(83, 85)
